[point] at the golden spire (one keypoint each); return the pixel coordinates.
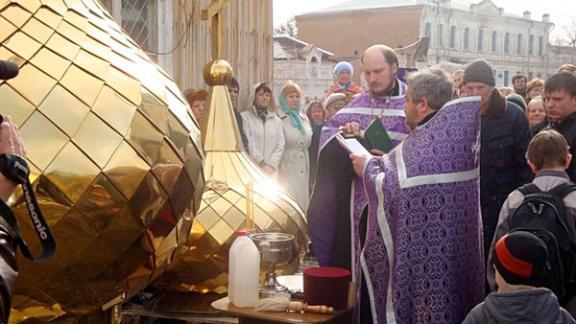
(218, 126)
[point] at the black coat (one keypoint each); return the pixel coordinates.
(241, 129)
(505, 135)
(313, 153)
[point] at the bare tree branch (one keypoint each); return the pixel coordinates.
(288, 28)
(571, 33)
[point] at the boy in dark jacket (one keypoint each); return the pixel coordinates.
(548, 157)
(520, 266)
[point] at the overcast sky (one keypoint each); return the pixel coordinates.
(562, 12)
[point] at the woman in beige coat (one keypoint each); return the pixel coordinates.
(263, 129)
(295, 163)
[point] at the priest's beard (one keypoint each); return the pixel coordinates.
(387, 91)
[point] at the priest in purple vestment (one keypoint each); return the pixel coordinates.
(338, 199)
(422, 256)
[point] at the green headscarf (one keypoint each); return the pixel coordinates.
(294, 114)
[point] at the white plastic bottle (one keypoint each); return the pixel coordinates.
(243, 271)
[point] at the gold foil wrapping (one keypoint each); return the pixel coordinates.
(229, 174)
(114, 152)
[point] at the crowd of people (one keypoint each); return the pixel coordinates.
(525, 134)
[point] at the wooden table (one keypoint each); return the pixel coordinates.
(250, 316)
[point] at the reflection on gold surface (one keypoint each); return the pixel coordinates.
(54, 107)
(14, 105)
(91, 63)
(32, 84)
(97, 139)
(114, 109)
(5, 29)
(41, 150)
(48, 17)
(115, 157)
(63, 46)
(83, 85)
(15, 14)
(22, 44)
(51, 63)
(37, 30)
(228, 172)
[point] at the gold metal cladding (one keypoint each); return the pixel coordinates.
(115, 157)
(236, 195)
(217, 72)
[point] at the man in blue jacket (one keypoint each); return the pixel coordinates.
(505, 135)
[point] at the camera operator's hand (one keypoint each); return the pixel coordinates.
(10, 142)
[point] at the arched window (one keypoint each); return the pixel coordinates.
(519, 44)
(466, 37)
(507, 43)
(480, 40)
(494, 41)
(313, 66)
(453, 37)
(540, 45)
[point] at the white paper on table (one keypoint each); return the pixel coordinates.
(351, 145)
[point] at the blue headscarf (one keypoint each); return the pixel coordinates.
(343, 66)
(294, 114)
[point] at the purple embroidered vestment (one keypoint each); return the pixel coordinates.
(338, 201)
(424, 231)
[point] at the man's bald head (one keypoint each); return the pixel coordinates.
(380, 65)
(383, 50)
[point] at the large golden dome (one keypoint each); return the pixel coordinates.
(115, 155)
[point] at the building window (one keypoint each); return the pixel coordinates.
(507, 43)
(506, 77)
(466, 36)
(140, 22)
(494, 41)
(453, 37)
(440, 32)
(540, 45)
(428, 29)
(519, 44)
(480, 40)
(530, 44)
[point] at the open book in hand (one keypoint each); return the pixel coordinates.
(351, 145)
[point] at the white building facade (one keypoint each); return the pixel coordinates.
(461, 32)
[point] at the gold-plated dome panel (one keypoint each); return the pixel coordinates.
(115, 156)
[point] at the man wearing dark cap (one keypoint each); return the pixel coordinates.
(520, 265)
(505, 135)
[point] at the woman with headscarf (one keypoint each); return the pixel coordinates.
(295, 164)
(316, 115)
(343, 72)
(263, 129)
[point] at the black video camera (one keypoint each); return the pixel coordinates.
(8, 70)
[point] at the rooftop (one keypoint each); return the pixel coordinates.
(284, 45)
(462, 5)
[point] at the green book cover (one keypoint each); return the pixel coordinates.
(376, 137)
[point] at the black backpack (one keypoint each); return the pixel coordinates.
(543, 214)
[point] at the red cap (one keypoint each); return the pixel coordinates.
(241, 232)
